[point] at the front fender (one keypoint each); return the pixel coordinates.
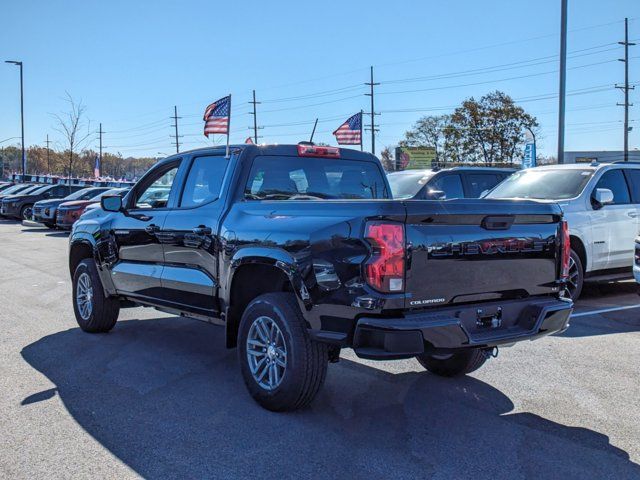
(91, 241)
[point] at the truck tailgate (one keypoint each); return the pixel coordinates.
(480, 250)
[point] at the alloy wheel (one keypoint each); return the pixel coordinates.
(84, 296)
(266, 353)
(571, 285)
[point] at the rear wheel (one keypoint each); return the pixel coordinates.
(575, 280)
(282, 367)
(94, 311)
(453, 364)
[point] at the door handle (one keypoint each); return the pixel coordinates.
(202, 230)
(632, 214)
(151, 228)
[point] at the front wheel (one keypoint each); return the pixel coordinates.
(454, 364)
(282, 367)
(25, 212)
(95, 312)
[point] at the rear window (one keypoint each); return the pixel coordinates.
(300, 178)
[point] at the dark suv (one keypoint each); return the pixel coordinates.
(448, 183)
(21, 205)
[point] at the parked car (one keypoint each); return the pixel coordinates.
(44, 211)
(21, 205)
(69, 212)
(299, 252)
(18, 188)
(447, 183)
(636, 261)
(601, 202)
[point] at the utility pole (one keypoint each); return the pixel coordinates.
(373, 114)
(48, 157)
(626, 88)
(255, 118)
(100, 132)
(563, 79)
(175, 125)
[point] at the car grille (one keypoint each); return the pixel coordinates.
(38, 210)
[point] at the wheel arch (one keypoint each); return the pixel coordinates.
(255, 273)
(577, 245)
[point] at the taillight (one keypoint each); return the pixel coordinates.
(384, 271)
(566, 250)
(315, 151)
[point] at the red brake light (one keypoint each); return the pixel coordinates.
(314, 151)
(566, 249)
(385, 269)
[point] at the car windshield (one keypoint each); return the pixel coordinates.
(84, 194)
(407, 184)
(113, 191)
(547, 184)
(296, 178)
(37, 191)
(15, 189)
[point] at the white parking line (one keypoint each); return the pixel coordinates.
(604, 310)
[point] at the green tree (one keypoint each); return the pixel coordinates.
(489, 130)
(428, 132)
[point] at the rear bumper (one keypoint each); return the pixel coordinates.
(460, 327)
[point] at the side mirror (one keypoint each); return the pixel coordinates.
(602, 197)
(436, 194)
(111, 203)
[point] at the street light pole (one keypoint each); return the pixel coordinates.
(24, 157)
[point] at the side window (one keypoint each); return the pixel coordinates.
(156, 193)
(633, 177)
(614, 180)
(479, 182)
(204, 181)
(450, 184)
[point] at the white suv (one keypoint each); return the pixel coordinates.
(601, 202)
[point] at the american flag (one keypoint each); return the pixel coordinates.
(350, 132)
(216, 116)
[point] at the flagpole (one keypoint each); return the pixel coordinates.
(361, 147)
(228, 127)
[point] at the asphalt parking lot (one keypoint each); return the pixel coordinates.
(159, 396)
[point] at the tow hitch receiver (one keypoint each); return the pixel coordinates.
(489, 320)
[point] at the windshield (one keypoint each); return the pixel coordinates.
(113, 191)
(296, 178)
(548, 184)
(16, 188)
(408, 184)
(82, 194)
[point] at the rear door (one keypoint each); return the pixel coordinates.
(190, 237)
(475, 250)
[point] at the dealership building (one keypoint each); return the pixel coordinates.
(600, 156)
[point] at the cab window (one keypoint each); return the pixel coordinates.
(204, 180)
(154, 192)
(614, 180)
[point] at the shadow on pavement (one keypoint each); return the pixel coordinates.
(167, 399)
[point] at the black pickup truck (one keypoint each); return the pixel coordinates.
(299, 251)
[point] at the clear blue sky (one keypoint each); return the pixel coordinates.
(131, 62)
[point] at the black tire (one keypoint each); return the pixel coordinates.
(575, 281)
(459, 363)
(306, 359)
(25, 212)
(50, 225)
(104, 310)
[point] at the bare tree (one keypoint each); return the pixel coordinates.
(72, 125)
